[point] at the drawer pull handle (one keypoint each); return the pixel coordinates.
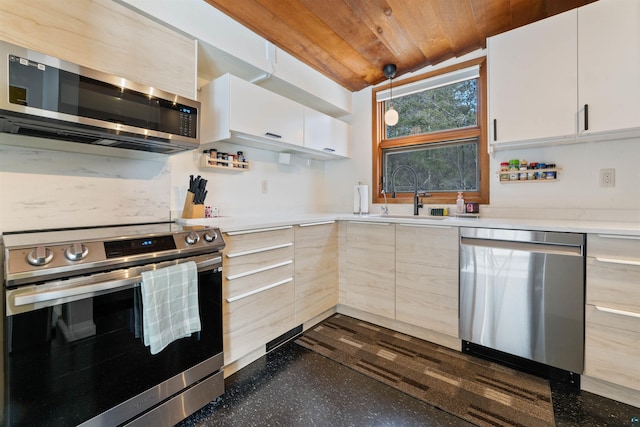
(257, 230)
(259, 270)
(618, 236)
(257, 291)
(620, 312)
(311, 224)
(257, 251)
(618, 261)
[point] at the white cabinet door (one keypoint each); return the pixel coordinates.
(262, 113)
(237, 111)
(325, 133)
(609, 64)
(533, 81)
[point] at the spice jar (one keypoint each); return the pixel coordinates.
(551, 174)
(514, 167)
(241, 159)
(541, 175)
(504, 171)
(523, 170)
(531, 174)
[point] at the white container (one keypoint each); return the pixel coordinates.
(459, 203)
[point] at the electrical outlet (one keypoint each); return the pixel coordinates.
(265, 186)
(607, 177)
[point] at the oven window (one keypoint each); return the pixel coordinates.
(71, 362)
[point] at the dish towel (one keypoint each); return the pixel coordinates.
(169, 304)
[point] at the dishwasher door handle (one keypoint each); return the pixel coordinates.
(545, 248)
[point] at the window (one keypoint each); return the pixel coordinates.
(439, 143)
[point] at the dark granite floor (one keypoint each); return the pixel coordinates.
(293, 386)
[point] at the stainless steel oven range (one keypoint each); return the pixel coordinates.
(73, 351)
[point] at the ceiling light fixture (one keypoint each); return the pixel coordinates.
(391, 116)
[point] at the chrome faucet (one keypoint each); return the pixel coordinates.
(416, 195)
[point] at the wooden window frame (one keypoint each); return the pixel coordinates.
(479, 131)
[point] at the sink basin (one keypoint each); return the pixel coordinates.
(413, 217)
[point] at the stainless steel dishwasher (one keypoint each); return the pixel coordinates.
(522, 293)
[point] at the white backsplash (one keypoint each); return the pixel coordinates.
(297, 187)
(50, 189)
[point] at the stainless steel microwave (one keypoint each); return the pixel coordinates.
(47, 97)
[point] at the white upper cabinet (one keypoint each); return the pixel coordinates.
(532, 80)
(325, 133)
(237, 111)
(541, 77)
(609, 64)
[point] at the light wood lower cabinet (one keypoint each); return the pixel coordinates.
(612, 314)
(258, 289)
(316, 269)
(427, 277)
(369, 268)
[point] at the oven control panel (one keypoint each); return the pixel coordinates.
(75, 256)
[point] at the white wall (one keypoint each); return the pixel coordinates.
(297, 187)
(577, 194)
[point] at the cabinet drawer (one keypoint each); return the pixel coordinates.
(612, 347)
(427, 245)
(613, 284)
(622, 248)
(256, 319)
(256, 261)
(249, 283)
(246, 240)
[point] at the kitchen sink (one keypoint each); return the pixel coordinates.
(412, 217)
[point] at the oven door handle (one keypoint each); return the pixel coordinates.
(95, 288)
(86, 290)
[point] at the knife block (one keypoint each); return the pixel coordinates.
(190, 210)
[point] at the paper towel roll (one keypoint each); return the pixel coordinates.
(360, 199)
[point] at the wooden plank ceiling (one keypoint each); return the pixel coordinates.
(349, 41)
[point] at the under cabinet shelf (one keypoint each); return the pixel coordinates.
(227, 165)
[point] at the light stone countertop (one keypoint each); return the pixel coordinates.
(238, 223)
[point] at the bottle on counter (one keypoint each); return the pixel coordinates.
(460, 203)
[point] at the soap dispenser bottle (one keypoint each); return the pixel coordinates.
(459, 203)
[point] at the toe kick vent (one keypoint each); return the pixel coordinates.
(283, 338)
